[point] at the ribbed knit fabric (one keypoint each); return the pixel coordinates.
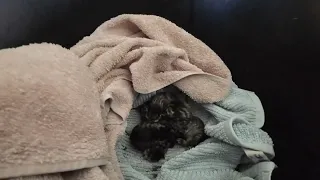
(226, 174)
(240, 103)
(239, 132)
(232, 125)
(259, 171)
(200, 162)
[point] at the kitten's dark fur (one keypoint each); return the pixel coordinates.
(152, 139)
(174, 113)
(160, 106)
(191, 131)
(166, 120)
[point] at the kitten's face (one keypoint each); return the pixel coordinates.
(156, 108)
(164, 105)
(151, 112)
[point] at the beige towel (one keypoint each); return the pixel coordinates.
(50, 118)
(128, 53)
(157, 53)
(151, 52)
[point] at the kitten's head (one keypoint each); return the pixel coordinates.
(178, 112)
(156, 108)
(163, 105)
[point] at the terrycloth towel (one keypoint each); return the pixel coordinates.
(53, 110)
(50, 117)
(237, 99)
(154, 53)
(231, 123)
(145, 53)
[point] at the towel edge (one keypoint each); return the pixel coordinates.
(38, 169)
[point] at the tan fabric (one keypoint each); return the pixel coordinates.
(128, 53)
(151, 53)
(50, 118)
(157, 53)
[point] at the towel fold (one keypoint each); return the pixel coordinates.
(244, 104)
(157, 53)
(239, 132)
(258, 171)
(50, 118)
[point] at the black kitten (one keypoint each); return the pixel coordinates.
(173, 112)
(190, 131)
(160, 106)
(152, 139)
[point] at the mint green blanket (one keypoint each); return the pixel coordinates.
(236, 150)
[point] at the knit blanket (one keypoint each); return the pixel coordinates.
(233, 125)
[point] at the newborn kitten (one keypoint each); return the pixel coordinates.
(165, 109)
(161, 107)
(152, 139)
(154, 135)
(190, 131)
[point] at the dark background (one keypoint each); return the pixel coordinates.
(270, 46)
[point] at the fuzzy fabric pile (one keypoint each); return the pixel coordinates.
(233, 125)
(62, 111)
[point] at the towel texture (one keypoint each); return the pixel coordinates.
(237, 99)
(145, 53)
(156, 53)
(63, 110)
(50, 118)
(232, 127)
